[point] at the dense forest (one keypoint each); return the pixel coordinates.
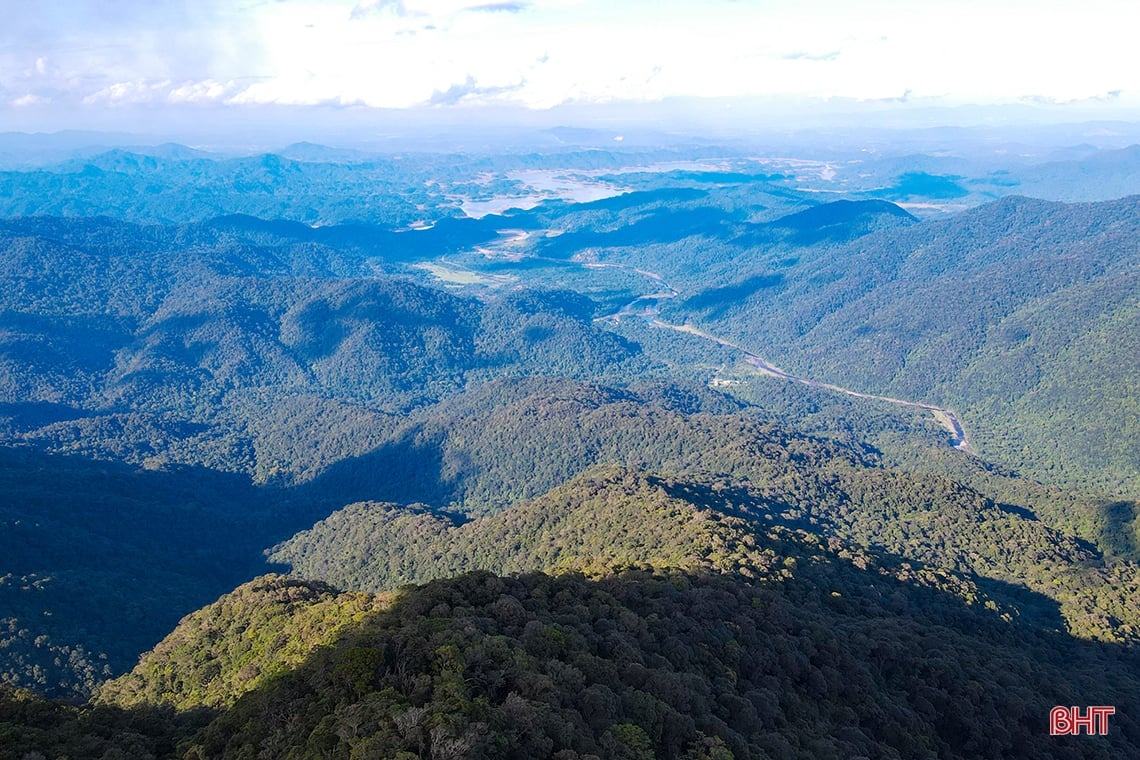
(301, 456)
(1018, 314)
(1004, 313)
(818, 661)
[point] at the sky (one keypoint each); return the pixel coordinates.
(96, 64)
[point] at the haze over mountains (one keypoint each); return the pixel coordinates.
(545, 384)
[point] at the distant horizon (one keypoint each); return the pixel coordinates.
(304, 67)
(671, 122)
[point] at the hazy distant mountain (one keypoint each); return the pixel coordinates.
(307, 151)
(20, 150)
(840, 221)
(1100, 176)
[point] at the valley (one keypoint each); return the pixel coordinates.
(945, 417)
(650, 309)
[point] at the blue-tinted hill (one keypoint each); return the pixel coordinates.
(839, 221)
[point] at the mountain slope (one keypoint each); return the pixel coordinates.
(1009, 313)
(607, 517)
(666, 665)
(731, 465)
(823, 663)
(770, 640)
(258, 631)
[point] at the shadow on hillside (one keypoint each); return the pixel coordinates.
(29, 415)
(35, 728)
(1022, 512)
(833, 661)
(734, 500)
(406, 470)
(714, 303)
(826, 648)
(1119, 531)
(122, 553)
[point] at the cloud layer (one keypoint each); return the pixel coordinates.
(445, 53)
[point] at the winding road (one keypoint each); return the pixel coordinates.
(648, 307)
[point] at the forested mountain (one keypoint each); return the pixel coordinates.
(675, 665)
(1020, 315)
(113, 318)
(1009, 313)
(628, 537)
(816, 659)
(740, 469)
(251, 635)
(194, 352)
(789, 588)
(482, 452)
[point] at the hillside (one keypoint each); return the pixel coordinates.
(251, 635)
(129, 323)
(818, 662)
(822, 642)
(670, 665)
(1101, 176)
(101, 559)
(1018, 314)
(604, 518)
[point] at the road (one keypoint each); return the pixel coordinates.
(648, 307)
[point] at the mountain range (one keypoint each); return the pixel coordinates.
(298, 460)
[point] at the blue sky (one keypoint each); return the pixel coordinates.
(74, 62)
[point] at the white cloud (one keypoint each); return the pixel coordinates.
(124, 93)
(540, 53)
(206, 91)
(367, 7)
(30, 100)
